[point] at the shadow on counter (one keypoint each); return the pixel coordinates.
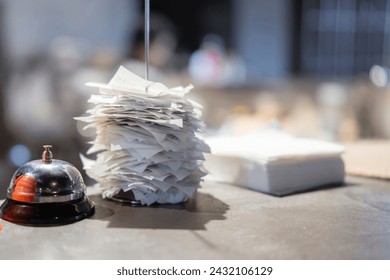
(192, 215)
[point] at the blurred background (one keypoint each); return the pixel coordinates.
(313, 68)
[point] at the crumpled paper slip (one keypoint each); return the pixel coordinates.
(146, 139)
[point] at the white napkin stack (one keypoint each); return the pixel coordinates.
(146, 139)
(274, 162)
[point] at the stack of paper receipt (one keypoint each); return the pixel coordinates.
(146, 139)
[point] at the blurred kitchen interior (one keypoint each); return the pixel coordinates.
(314, 68)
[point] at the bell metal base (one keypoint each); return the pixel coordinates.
(46, 213)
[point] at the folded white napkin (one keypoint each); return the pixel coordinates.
(274, 162)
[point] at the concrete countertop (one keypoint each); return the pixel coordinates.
(222, 222)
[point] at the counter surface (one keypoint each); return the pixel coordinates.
(222, 222)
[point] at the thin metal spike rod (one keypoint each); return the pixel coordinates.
(147, 37)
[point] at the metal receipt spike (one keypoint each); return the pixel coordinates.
(147, 33)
